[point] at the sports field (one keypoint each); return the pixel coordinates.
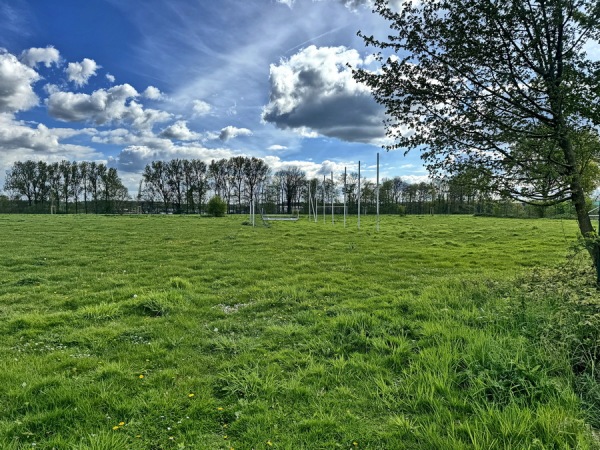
(173, 332)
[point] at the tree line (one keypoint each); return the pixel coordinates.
(68, 187)
(182, 186)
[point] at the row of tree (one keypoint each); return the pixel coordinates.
(185, 186)
(66, 186)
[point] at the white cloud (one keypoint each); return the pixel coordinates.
(201, 108)
(153, 93)
(179, 131)
(314, 92)
(110, 78)
(80, 72)
(104, 106)
(231, 132)
(34, 56)
(286, 2)
(16, 80)
(135, 157)
(276, 148)
(19, 142)
(311, 168)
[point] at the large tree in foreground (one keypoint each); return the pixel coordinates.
(500, 86)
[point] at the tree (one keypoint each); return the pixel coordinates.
(216, 206)
(291, 179)
(113, 191)
(235, 172)
(66, 186)
(255, 172)
(54, 184)
(199, 185)
(175, 181)
(472, 79)
(20, 180)
(217, 171)
(156, 179)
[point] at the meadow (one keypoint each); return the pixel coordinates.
(184, 332)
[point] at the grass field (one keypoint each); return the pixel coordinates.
(165, 332)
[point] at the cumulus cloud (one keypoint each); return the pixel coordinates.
(276, 148)
(110, 78)
(19, 141)
(16, 80)
(80, 72)
(34, 56)
(201, 108)
(104, 106)
(314, 92)
(179, 131)
(311, 168)
(231, 132)
(153, 93)
(135, 157)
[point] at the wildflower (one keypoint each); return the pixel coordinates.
(141, 376)
(225, 437)
(269, 443)
(190, 395)
(219, 409)
(116, 427)
(355, 444)
(121, 424)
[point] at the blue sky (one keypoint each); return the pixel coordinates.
(128, 82)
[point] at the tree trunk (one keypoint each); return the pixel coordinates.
(578, 200)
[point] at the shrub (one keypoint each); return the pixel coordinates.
(217, 207)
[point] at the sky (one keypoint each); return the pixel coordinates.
(129, 82)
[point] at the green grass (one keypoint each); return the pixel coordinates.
(206, 334)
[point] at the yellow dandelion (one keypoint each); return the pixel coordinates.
(116, 427)
(190, 395)
(224, 425)
(219, 409)
(141, 376)
(121, 424)
(225, 437)
(269, 443)
(355, 444)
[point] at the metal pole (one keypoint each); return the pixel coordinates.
(332, 218)
(324, 219)
(344, 197)
(359, 195)
(377, 192)
(309, 201)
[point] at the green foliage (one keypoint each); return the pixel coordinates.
(413, 337)
(216, 207)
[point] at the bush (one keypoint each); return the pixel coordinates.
(217, 207)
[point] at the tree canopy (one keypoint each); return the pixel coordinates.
(503, 87)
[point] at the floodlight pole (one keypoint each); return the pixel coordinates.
(324, 219)
(377, 192)
(344, 197)
(316, 202)
(332, 196)
(309, 201)
(359, 195)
